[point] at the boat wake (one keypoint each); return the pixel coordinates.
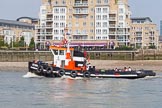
(31, 75)
(69, 77)
(152, 77)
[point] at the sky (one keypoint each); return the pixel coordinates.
(13, 9)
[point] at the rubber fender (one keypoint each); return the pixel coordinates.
(40, 69)
(73, 74)
(87, 74)
(61, 72)
(49, 70)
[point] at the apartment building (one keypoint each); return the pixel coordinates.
(144, 33)
(90, 22)
(160, 27)
(11, 30)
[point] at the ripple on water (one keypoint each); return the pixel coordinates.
(19, 92)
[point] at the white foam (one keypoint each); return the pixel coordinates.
(31, 75)
(69, 77)
(152, 77)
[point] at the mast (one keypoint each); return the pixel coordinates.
(66, 43)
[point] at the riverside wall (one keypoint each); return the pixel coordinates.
(25, 56)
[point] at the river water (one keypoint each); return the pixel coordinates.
(19, 92)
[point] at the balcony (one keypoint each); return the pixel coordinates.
(44, 33)
(49, 13)
(113, 12)
(49, 26)
(112, 19)
(43, 27)
(48, 33)
(112, 26)
(138, 35)
(80, 33)
(123, 33)
(138, 41)
(49, 19)
(112, 33)
(80, 4)
(82, 12)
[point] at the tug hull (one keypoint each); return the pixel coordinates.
(46, 70)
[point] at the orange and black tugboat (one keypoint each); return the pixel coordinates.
(69, 62)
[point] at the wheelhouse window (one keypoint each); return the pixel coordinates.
(61, 52)
(55, 52)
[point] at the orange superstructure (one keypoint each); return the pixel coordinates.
(67, 58)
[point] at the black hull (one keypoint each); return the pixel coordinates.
(43, 69)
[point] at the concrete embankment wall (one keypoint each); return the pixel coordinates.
(25, 56)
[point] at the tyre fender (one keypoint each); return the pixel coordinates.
(49, 70)
(40, 69)
(87, 74)
(73, 74)
(61, 72)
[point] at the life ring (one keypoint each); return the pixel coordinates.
(49, 70)
(40, 69)
(61, 72)
(73, 74)
(87, 74)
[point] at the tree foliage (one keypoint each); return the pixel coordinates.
(22, 42)
(32, 43)
(1, 42)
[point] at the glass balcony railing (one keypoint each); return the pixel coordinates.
(80, 12)
(80, 4)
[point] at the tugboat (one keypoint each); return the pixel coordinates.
(69, 62)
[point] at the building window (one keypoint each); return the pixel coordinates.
(43, 11)
(56, 32)
(61, 31)
(70, 17)
(98, 10)
(98, 17)
(104, 10)
(91, 24)
(98, 24)
(91, 17)
(121, 17)
(62, 10)
(55, 38)
(98, 31)
(98, 37)
(105, 1)
(69, 25)
(63, 2)
(77, 24)
(121, 10)
(121, 24)
(91, 9)
(104, 17)
(98, 1)
(104, 31)
(91, 31)
(56, 2)
(84, 31)
(56, 17)
(104, 24)
(56, 10)
(56, 24)
(62, 24)
(70, 10)
(62, 17)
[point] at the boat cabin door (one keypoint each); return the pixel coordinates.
(62, 63)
